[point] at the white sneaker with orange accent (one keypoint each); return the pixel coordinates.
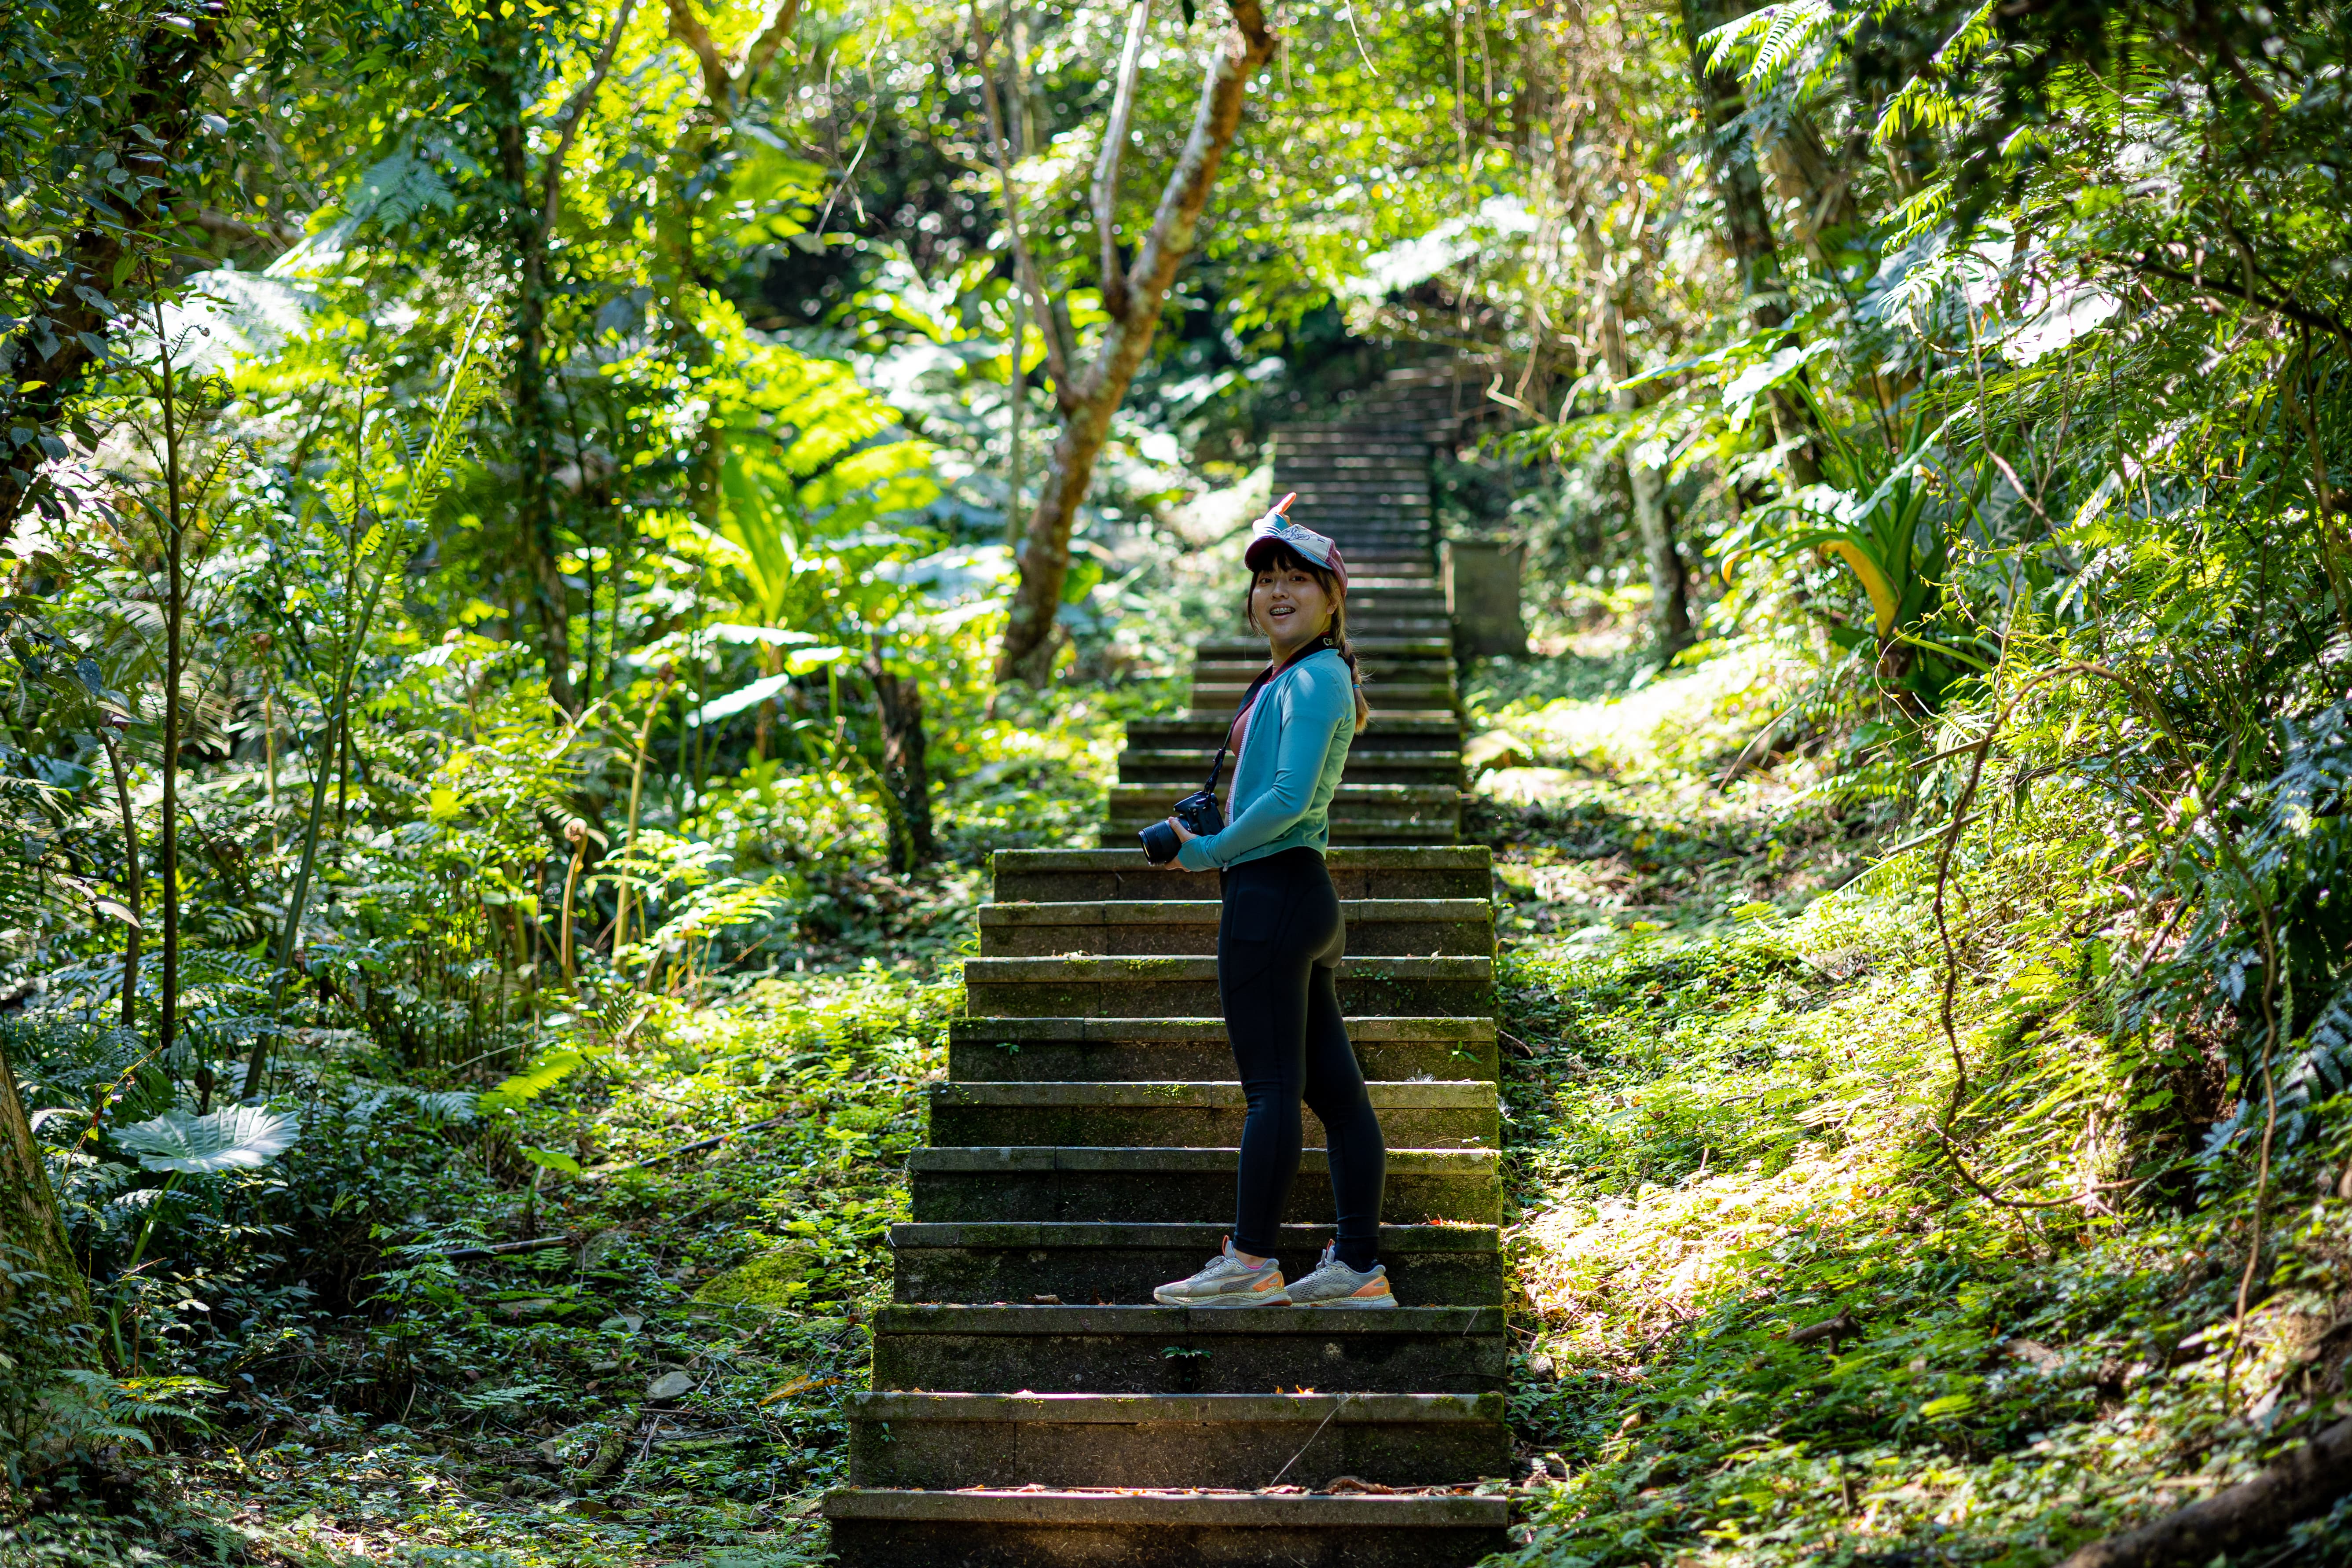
(1227, 1282)
(1334, 1284)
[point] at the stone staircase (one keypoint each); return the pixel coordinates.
(1031, 1405)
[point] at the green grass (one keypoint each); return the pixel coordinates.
(1723, 1133)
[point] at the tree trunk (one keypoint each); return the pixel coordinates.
(36, 1259)
(1811, 181)
(2306, 1482)
(1088, 400)
(906, 773)
(42, 367)
(533, 423)
(1747, 226)
(1670, 622)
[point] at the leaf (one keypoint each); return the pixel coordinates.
(799, 1385)
(519, 1089)
(241, 1138)
(1874, 583)
(549, 1160)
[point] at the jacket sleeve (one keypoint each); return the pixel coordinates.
(1306, 716)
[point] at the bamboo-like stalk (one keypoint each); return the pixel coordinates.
(636, 793)
(131, 877)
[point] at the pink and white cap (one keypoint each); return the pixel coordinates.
(1274, 529)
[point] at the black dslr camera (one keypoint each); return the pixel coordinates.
(1198, 811)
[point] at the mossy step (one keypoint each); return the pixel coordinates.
(1395, 832)
(1392, 731)
(1190, 1350)
(943, 1441)
(1183, 1187)
(1188, 768)
(1140, 987)
(1103, 1262)
(1252, 650)
(1105, 1050)
(1385, 674)
(1431, 871)
(877, 1529)
(1432, 1115)
(1419, 927)
(1350, 803)
(1413, 695)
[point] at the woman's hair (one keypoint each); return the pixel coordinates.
(1283, 558)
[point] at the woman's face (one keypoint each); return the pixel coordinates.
(1290, 605)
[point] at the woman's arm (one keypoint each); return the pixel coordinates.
(1306, 716)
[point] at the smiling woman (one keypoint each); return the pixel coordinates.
(1280, 936)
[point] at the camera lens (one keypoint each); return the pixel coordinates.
(1160, 843)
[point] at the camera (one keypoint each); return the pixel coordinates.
(1198, 811)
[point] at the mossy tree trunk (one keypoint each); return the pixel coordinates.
(34, 1256)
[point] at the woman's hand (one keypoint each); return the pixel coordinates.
(1184, 835)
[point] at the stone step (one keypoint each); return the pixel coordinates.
(1189, 769)
(1364, 437)
(1198, 1115)
(1385, 669)
(944, 1441)
(1108, 1050)
(1147, 1529)
(1350, 803)
(1189, 1350)
(1416, 927)
(1181, 1186)
(1204, 728)
(1251, 651)
(1431, 1265)
(1368, 833)
(1054, 876)
(1413, 696)
(1162, 987)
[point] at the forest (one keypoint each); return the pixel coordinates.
(548, 546)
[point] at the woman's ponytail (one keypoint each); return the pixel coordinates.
(1345, 651)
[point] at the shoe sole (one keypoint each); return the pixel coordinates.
(1349, 1303)
(1252, 1299)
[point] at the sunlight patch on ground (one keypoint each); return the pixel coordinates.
(1674, 723)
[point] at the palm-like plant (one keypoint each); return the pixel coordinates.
(1880, 513)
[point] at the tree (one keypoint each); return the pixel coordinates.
(1747, 225)
(120, 101)
(1087, 392)
(41, 1286)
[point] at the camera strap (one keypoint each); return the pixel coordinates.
(1249, 697)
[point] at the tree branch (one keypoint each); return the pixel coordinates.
(1249, 46)
(1053, 315)
(574, 114)
(1104, 194)
(784, 16)
(718, 77)
(2317, 320)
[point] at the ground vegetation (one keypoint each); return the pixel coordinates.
(546, 543)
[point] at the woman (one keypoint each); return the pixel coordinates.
(1280, 934)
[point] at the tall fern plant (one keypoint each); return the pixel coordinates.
(372, 539)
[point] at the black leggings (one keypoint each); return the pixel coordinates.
(1279, 937)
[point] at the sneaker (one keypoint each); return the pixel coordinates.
(1334, 1284)
(1227, 1282)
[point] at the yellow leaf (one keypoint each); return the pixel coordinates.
(1873, 583)
(799, 1385)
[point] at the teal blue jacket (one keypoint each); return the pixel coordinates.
(1292, 754)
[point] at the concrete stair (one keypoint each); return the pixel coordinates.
(1031, 1405)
